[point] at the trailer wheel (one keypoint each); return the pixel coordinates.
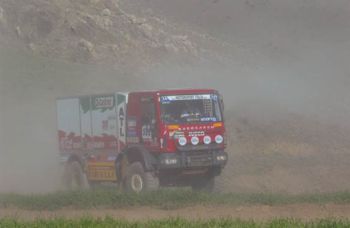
(205, 184)
(74, 176)
(137, 180)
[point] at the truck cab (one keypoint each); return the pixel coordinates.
(183, 130)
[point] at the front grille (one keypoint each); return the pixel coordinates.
(199, 148)
(199, 158)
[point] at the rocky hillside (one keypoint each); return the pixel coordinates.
(95, 31)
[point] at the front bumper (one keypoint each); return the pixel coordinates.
(193, 159)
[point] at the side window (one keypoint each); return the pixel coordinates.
(222, 107)
(148, 119)
(222, 102)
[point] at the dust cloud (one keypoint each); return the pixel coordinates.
(29, 87)
(286, 83)
(284, 76)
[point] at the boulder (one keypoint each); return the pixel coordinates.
(86, 46)
(19, 31)
(106, 13)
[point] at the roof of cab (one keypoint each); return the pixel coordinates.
(177, 91)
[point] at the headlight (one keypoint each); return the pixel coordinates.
(195, 140)
(182, 141)
(207, 140)
(221, 158)
(219, 139)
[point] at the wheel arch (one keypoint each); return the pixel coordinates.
(139, 154)
(75, 157)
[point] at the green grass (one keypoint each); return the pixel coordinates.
(109, 222)
(165, 199)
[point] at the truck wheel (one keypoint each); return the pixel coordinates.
(74, 176)
(137, 180)
(204, 184)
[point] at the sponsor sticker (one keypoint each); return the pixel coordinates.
(111, 158)
(133, 139)
(208, 119)
(104, 102)
(196, 133)
(131, 127)
(167, 99)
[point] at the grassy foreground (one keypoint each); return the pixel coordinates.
(165, 199)
(109, 222)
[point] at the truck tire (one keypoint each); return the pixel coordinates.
(137, 180)
(204, 184)
(74, 178)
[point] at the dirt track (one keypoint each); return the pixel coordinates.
(259, 213)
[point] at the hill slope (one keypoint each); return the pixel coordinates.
(96, 31)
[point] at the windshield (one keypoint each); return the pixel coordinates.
(190, 108)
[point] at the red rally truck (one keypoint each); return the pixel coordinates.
(143, 140)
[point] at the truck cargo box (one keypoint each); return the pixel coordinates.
(91, 123)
